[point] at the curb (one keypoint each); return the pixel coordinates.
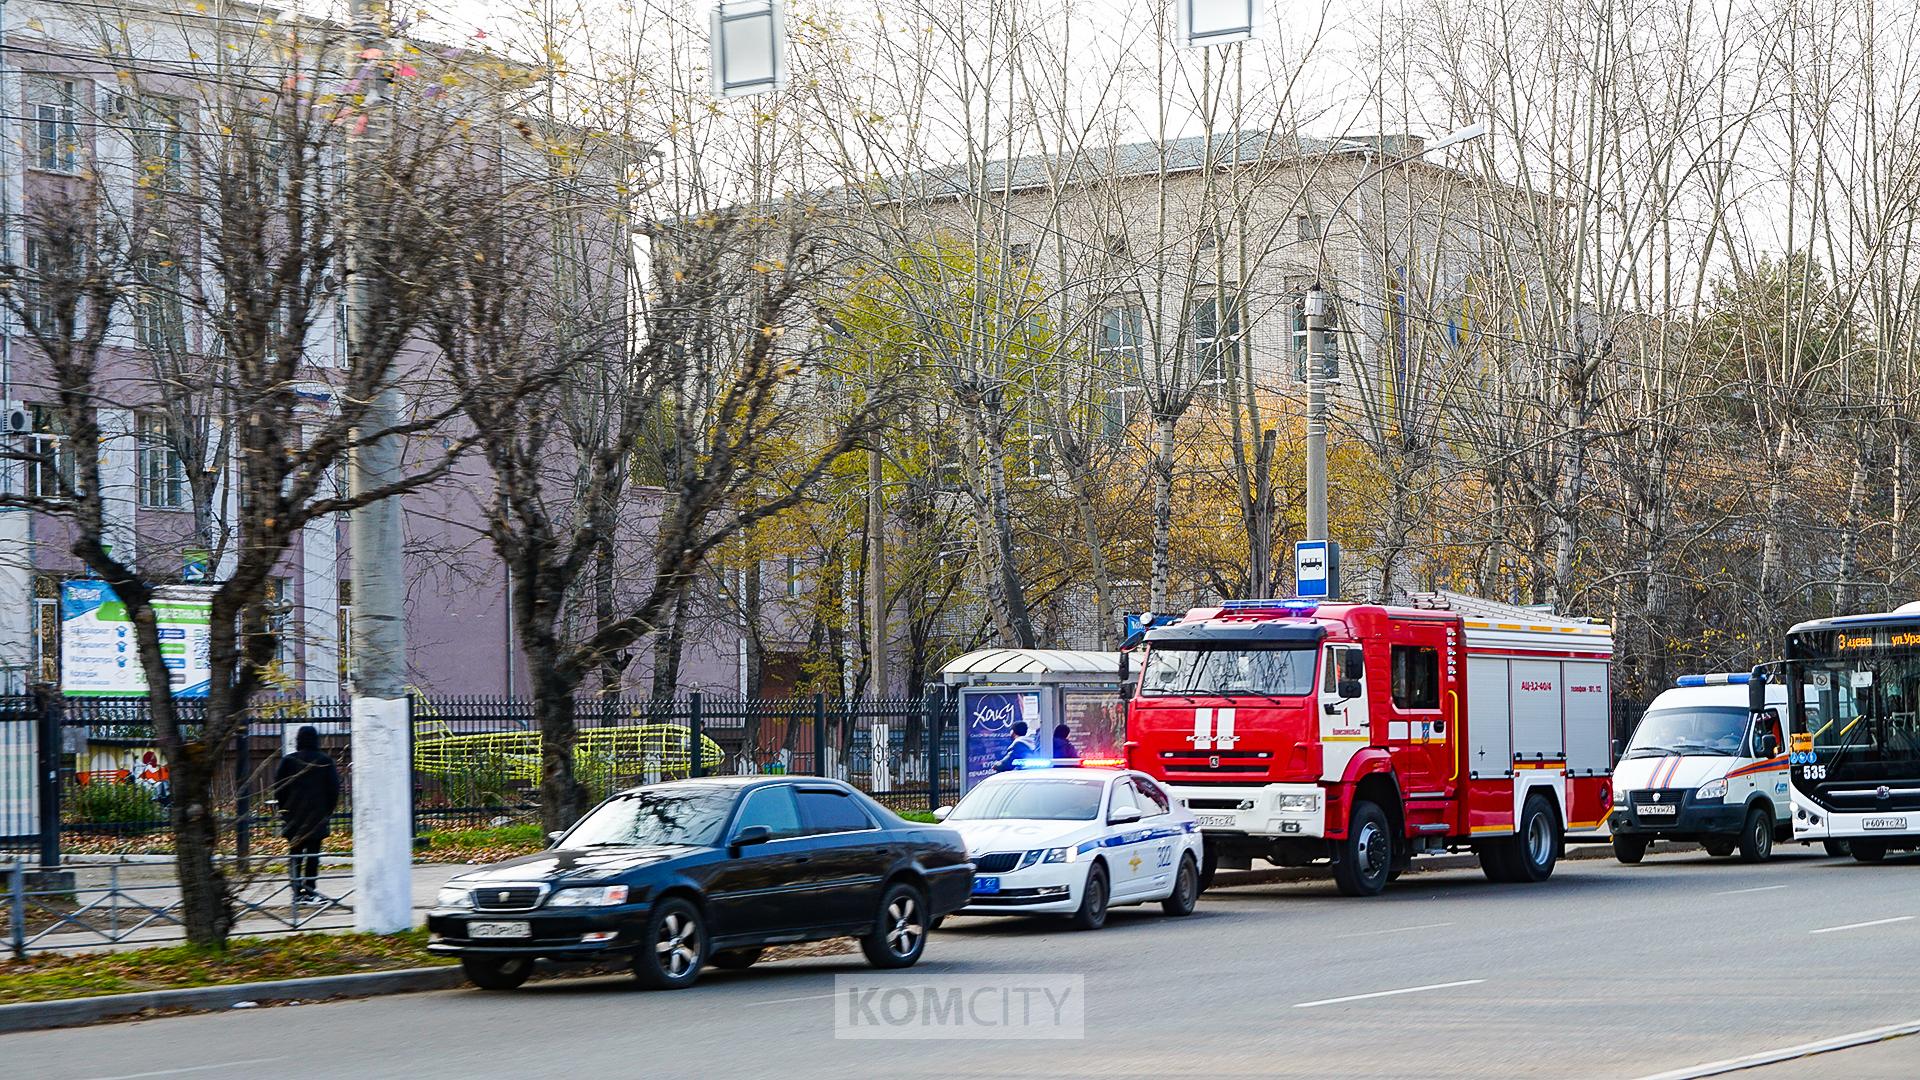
(39, 1015)
(1229, 879)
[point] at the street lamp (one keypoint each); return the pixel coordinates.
(1316, 318)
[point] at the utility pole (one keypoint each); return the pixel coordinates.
(382, 735)
(1316, 303)
(876, 577)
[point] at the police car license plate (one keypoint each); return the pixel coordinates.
(1658, 810)
(1214, 821)
(1883, 823)
(499, 929)
(986, 886)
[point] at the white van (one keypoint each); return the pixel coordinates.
(1699, 769)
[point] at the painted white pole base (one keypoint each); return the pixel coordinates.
(382, 816)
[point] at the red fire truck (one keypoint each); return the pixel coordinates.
(1365, 735)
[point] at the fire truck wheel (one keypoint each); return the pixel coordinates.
(1362, 861)
(1209, 863)
(1093, 902)
(1756, 840)
(1493, 860)
(1629, 849)
(1537, 845)
(1186, 889)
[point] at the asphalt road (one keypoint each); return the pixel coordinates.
(1604, 971)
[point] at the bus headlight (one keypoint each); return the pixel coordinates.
(1713, 791)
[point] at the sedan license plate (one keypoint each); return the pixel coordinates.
(1884, 823)
(499, 929)
(1214, 821)
(1658, 810)
(986, 886)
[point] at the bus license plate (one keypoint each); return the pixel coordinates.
(1214, 821)
(499, 929)
(986, 886)
(1884, 823)
(1659, 810)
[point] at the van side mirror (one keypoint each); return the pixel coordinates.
(1757, 692)
(1350, 688)
(1765, 745)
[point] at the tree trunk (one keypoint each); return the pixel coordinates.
(667, 647)
(562, 797)
(206, 902)
(1162, 515)
(1017, 630)
(1102, 582)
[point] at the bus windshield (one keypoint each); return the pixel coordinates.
(1228, 671)
(1855, 707)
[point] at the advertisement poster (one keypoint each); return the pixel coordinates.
(98, 656)
(989, 727)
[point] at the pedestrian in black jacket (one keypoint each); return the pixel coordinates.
(1063, 744)
(307, 786)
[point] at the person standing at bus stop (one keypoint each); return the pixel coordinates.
(307, 786)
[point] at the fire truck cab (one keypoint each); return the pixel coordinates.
(1364, 735)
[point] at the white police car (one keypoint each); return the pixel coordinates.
(1076, 841)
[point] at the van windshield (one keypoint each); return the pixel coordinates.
(1693, 730)
(1228, 671)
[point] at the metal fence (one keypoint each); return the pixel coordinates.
(88, 777)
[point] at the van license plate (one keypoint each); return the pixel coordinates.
(1214, 821)
(499, 929)
(1884, 823)
(1658, 810)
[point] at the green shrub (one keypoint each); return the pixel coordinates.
(121, 802)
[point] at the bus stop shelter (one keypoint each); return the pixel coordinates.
(1044, 687)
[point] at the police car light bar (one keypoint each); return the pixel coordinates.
(1718, 678)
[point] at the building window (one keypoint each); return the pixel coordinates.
(163, 474)
(1116, 243)
(53, 138)
(1122, 335)
(1038, 452)
(793, 576)
(1416, 677)
(39, 313)
(1216, 337)
(279, 608)
(1332, 361)
(1020, 254)
(1308, 227)
(159, 143)
(158, 311)
(52, 474)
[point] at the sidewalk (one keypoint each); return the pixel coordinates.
(119, 897)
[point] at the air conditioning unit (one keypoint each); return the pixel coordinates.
(115, 103)
(19, 421)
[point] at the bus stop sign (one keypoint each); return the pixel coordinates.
(1316, 568)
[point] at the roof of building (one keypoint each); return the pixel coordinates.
(1034, 665)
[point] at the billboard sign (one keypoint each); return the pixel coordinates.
(99, 657)
(987, 718)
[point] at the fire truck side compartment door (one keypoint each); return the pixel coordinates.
(1537, 729)
(1587, 716)
(1490, 745)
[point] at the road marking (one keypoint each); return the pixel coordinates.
(783, 1001)
(1762, 888)
(1858, 925)
(189, 1068)
(1388, 993)
(1398, 930)
(1774, 1057)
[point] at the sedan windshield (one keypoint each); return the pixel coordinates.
(1696, 730)
(1049, 800)
(1268, 672)
(671, 815)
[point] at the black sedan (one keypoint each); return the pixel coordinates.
(695, 872)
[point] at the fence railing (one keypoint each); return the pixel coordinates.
(88, 777)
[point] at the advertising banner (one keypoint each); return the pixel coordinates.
(98, 655)
(988, 726)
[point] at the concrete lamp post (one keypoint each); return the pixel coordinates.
(1316, 318)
